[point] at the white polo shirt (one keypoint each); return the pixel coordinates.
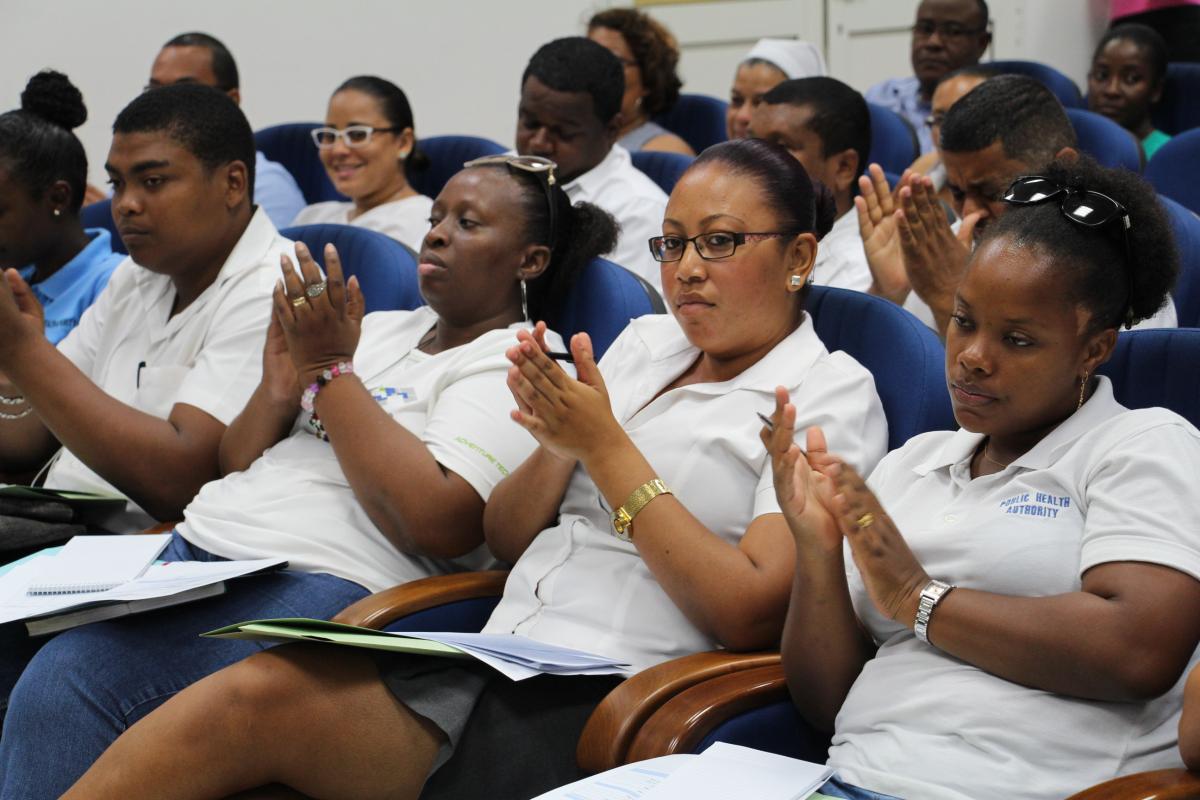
(295, 502)
(1108, 484)
(841, 259)
(635, 201)
(208, 356)
(578, 585)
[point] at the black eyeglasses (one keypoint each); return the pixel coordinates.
(717, 244)
(538, 166)
(1081, 206)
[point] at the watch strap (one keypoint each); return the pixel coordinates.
(931, 595)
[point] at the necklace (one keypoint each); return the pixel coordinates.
(986, 457)
(427, 339)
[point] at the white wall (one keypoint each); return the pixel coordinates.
(460, 60)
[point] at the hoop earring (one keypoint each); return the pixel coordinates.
(1082, 389)
(524, 301)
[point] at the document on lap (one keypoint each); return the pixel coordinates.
(722, 772)
(162, 584)
(516, 657)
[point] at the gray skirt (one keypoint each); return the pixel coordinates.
(505, 740)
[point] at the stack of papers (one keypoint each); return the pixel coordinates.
(517, 657)
(162, 584)
(722, 772)
(97, 563)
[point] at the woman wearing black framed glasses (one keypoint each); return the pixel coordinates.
(369, 150)
(1031, 581)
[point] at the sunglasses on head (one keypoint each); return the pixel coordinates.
(536, 165)
(1081, 206)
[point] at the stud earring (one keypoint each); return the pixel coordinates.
(404, 156)
(58, 212)
(795, 281)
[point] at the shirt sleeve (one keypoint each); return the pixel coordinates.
(469, 431)
(229, 364)
(1141, 499)
(277, 192)
(82, 344)
(641, 219)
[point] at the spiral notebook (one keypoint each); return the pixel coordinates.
(97, 563)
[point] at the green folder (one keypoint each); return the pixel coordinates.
(315, 630)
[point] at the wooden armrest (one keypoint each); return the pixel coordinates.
(384, 607)
(1161, 784)
(685, 719)
(162, 527)
(610, 730)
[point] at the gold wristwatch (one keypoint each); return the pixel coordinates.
(622, 518)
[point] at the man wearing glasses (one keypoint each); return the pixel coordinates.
(947, 35)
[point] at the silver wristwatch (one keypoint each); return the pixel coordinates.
(931, 595)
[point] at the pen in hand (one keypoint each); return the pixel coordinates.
(770, 426)
(557, 356)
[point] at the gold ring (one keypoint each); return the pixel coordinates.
(299, 301)
(866, 520)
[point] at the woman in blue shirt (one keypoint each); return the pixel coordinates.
(43, 174)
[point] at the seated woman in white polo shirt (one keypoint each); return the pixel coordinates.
(369, 149)
(375, 475)
(1066, 521)
(676, 399)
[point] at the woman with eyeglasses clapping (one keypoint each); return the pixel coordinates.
(369, 150)
(1032, 580)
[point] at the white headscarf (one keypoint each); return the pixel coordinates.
(795, 58)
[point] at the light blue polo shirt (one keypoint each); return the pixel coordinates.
(67, 293)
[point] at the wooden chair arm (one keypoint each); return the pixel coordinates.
(162, 527)
(684, 720)
(1161, 784)
(384, 607)
(606, 739)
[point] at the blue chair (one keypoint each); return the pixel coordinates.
(1185, 226)
(446, 155)
(1063, 87)
(1178, 110)
(386, 269)
(1157, 367)
(1175, 169)
(99, 215)
(292, 146)
(664, 169)
(904, 356)
(1105, 140)
(603, 300)
(893, 141)
(698, 119)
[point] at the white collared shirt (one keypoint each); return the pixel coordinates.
(295, 502)
(208, 356)
(635, 201)
(405, 220)
(578, 585)
(841, 259)
(1108, 484)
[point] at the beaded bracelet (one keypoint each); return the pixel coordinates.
(310, 394)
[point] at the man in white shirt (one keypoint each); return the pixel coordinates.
(570, 112)
(139, 394)
(201, 58)
(1008, 126)
(825, 124)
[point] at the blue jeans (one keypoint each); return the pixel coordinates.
(835, 787)
(84, 687)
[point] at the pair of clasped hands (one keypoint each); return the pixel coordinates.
(826, 501)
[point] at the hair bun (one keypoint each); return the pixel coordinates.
(51, 96)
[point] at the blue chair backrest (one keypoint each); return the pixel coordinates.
(1175, 169)
(292, 146)
(1063, 87)
(460, 616)
(1178, 109)
(603, 300)
(1105, 140)
(698, 119)
(446, 155)
(1157, 367)
(1185, 227)
(893, 141)
(905, 357)
(386, 269)
(662, 168)
(99, 215)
